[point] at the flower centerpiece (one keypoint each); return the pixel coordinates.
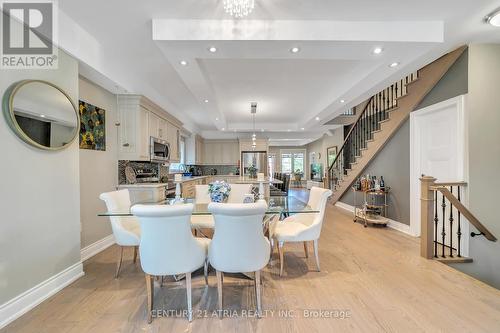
(252, 171)
(219, 191)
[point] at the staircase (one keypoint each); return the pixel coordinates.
(381, 116)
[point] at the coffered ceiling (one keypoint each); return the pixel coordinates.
(161, 49)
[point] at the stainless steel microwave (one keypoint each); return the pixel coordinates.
(160, 150)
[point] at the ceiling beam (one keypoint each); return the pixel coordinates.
(390, 31)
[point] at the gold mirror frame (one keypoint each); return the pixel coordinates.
(8, 110)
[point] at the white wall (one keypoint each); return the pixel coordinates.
(98, 169)
(39, 197)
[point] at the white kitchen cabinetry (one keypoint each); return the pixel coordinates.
(262, 145)
(133, 132)
(199, 153)
(220, 152)
(140, 119)
(173, 137)
(154, 125)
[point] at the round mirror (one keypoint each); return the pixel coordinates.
(41, 114)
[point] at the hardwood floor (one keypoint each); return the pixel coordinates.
(374, 278)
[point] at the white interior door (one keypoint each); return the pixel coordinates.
(438, 149)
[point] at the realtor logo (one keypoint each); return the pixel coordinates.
(28, 35)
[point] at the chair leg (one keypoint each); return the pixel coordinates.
(305, 250)
(150, 291)
(282, 259)
(205, 271)
(135, 254)
(258, 288)
(219, 290)
(119, 265)
(316, 254)
(188, 292)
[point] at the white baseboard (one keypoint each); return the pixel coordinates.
(94, 248)
(26, 301)
(404, 228)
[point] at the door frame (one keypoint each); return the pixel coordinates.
(459, 103)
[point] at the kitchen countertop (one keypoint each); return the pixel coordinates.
(235, 179)
(148, 185)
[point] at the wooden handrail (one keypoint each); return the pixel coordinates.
(450, 184)
(429, 216)
(349, 134)
(466, 213)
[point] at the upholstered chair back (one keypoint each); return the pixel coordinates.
(126, 229)
(167, 245)
(318, 198)
(238, 244)
(238, 191)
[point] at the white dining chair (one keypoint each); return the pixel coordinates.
(238, 192)
(168, 247)
(126, 229)
(238, 244)
(303, 227)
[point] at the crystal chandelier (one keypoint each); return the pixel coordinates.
(253, 111)
(238, 8)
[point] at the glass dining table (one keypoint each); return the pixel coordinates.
(278, 208)
(282, 206)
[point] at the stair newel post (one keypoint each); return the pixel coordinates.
(426, 216)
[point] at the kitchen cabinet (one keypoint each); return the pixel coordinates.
(154, 125)
(133, 131)
(173, 138)
(199, 154)
(246, 145)
(220, 152)
(140, 119)
(189, 187)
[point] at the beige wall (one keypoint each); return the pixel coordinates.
(323, 143)
(483, 109)
(98, 169)
(39, 197)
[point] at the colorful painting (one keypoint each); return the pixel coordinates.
(92, 127)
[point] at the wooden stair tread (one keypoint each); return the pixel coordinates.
(454, 260)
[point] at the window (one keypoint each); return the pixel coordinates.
(176, 167)
(298, 162)
(271, 164)
(291, 161)
(286, 163)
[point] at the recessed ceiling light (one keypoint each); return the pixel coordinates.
(294, 49)
(212, 49)
(302, 129)
(206, 101)
(223, 128)
(342, 101)
(377, 50)
(394, 64)
(317, 118)
(216, 119)
(494, 18)
(183, 62)
(42, 116)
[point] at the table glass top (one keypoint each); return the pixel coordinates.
(276, 205)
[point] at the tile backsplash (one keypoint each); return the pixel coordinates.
(220, 169)
(159, 171)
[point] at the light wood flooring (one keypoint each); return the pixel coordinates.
(372, 277)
